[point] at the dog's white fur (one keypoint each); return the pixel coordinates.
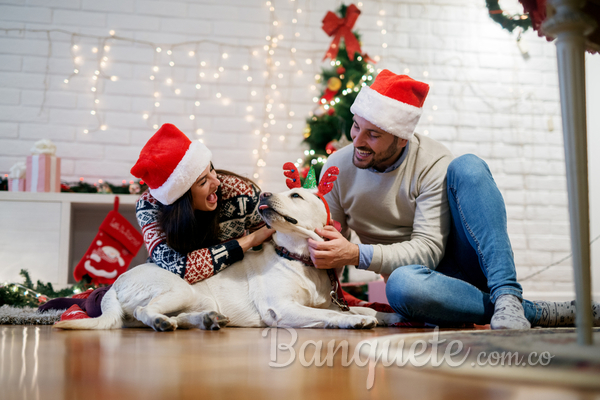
(263, 289)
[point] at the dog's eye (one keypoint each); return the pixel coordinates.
(295, 196)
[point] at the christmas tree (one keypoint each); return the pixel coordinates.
(328, 126)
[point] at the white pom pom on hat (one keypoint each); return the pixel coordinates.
(393, 103)
(170, 163)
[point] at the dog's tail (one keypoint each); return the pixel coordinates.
(111, 318)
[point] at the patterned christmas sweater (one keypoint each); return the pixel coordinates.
(239, 201)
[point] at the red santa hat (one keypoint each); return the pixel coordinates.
(170, 163)
(393, 103)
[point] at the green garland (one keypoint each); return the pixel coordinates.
(26, 295)
(507, 22)
(84, 187)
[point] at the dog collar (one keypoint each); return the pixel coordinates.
(336, 293)
(285, 253)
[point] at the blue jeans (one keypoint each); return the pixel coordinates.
(478, 264)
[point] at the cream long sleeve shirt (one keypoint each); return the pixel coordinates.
(402, 213)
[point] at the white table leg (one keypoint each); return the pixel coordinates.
(570, 26)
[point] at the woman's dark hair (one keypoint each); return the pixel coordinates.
(187, 229)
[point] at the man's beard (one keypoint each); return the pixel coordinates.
(379, 158)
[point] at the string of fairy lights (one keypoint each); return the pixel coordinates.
(266, 76)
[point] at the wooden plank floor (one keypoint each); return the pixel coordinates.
(45, 363)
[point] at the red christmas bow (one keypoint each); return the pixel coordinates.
(342, 27)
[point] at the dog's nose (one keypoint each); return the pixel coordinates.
(265, 194)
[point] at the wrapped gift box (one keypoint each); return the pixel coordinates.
(43, 173)
(16, 185)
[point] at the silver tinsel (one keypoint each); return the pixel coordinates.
(28, 316)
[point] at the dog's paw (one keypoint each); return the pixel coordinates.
(358, 322)
(213, 321)
(163, 324)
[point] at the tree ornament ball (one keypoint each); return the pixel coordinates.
(304, 172)
(350, 85)
(331, 111)
(331, 147)
(334, 84)
(340, 70)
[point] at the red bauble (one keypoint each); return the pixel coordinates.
(330, 148)
(340, 70)
(304, 172)
(331, 111)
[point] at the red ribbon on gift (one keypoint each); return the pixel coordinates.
(341, 27)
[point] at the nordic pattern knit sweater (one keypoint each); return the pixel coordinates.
(239, 201)
(403, 214)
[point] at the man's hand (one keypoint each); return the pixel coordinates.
(334, 252)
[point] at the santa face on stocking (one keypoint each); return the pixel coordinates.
(112, 250)
(101, 259)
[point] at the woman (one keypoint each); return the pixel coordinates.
(194, 218)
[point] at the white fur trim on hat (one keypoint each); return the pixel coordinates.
(393, 116)
(194, 162)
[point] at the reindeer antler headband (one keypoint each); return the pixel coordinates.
(325, 186)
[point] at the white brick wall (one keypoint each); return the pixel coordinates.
(485, 97)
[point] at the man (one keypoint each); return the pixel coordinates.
(434, 227)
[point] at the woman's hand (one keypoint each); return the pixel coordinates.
(255, 238)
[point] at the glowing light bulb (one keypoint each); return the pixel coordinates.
(114, 78)
(308, 61)
(171, 63)
(155, 126)
(384, 45)
(425, 73)
(169, 52)
(245, 68)
(86, 131)
(107, 48)
(158, 49)
(93, 89)
(221, 69)
(66, 81)
(199, 131)
(156, 94)
(192, 117)
(253, 93)
(218, 95)
(177, 91)
(225, 55)
(94, 50)
(249, 79)
(151, 77)
(93, 112)
(103, 127)
(157, 104)
(203, 63)
(111, 32)
(191, 53)
(145, 116)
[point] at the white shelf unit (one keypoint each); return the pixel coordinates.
(48, 233)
